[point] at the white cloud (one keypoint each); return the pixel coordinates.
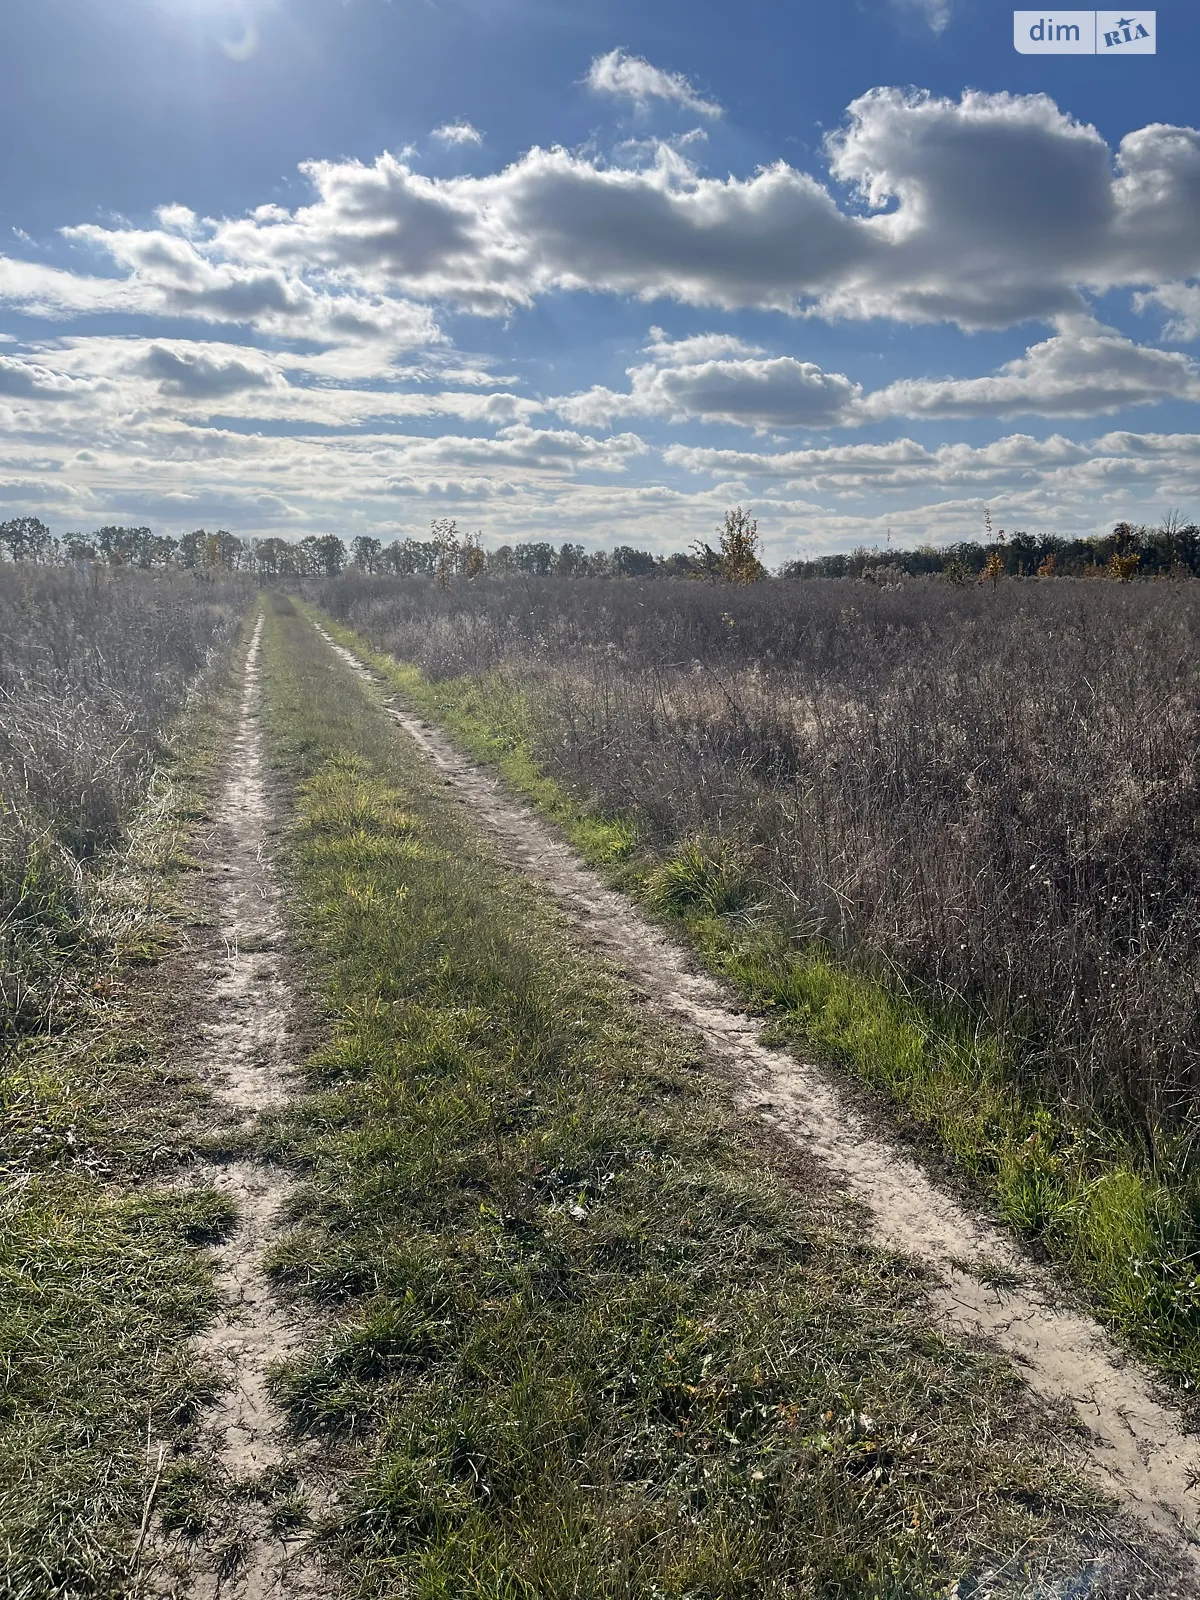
(180, 219)
(1116, 468)
(628, 152)
(531, 450)
(1181, 302)
(1083, 371)
(986, 211)
(901, 463)
(52, 292)
(526, 482)
(24, 379)
(317, 335)
(698, 347)
(179, 475)
(124, 377)
(550, 221)
(935, 12)
(780, 392)
(633, 78)
(201, 375)
(460, 132)
(1075, 374)
(174, 276)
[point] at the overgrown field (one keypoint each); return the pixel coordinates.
(93, 666)
(950, 837)
(103, 1275)
(590, 1336)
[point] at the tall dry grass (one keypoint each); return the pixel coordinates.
(994, 796)
(93, 666)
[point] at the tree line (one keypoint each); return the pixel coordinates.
(445, 554)
(1129, 551)
(29, 539)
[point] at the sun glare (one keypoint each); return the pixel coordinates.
(232, 25)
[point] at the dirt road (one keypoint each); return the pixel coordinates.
(1135, 1443)
(241, 1051)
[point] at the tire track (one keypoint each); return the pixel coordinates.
(242, 1048)
(1135, 1444)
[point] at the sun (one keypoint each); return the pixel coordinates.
(233, 25)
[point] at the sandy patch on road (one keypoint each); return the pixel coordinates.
(242, 1050)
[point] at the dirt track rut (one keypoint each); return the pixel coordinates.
(242, 1051)
(1136, 1444)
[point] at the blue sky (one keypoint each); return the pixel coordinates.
(594, 272)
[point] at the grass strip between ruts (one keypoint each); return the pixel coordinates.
(104, 1278)
(1130, 1236)
(586, 1336)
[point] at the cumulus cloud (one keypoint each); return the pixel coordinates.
(1064, 479)
(181, 219)
(633, 78)
(532, 449)
(1181, 302)
(172, 472)
(778, 392)
(166, 274)
(321, 318)
(898, 464)
(26, 380)
(985, 211)
(54, 293)
(1084, 371)
(123, 377)
(1074, 374)
(698, 346)
(461, 132)
(202, 375)
(555, 220)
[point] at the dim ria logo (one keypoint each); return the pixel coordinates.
(1085, 33)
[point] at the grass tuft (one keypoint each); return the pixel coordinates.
(703, 876)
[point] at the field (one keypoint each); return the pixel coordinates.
(457, 1084)
(952, 836)
(92, 671)
(103, 1274)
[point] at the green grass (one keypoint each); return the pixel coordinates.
(104, 1276)
(99, 1294)
(1129, 1235)
(586, 1333)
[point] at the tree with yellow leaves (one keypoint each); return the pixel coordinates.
(739, 548)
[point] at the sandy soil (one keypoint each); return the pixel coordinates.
(241, 1051)
(1135, 1443)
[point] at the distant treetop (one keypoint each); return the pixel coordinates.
(1129, 551)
